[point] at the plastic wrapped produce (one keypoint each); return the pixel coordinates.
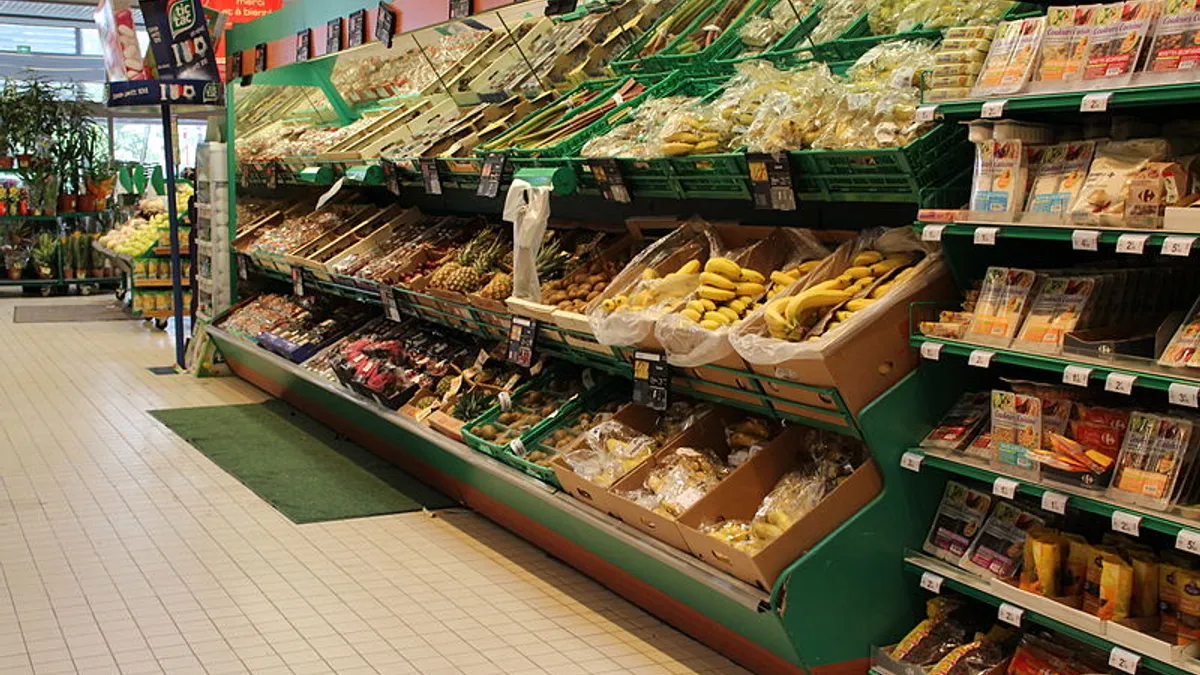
(611, 450)
(681, 478)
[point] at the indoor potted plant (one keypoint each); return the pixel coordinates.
(44, 255)
(99, 173)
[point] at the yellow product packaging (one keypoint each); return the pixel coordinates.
(1145, 584)
(1079, 552)
(1091, 586)
(1040, 573)
(1116, 587)
(1169, 576)
(1188, 608)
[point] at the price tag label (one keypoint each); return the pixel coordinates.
(1124, 660)
(931, 582)
(1178, 246)
(304, 45)
(260, 58)
(1085, 240)
(912, 461)
(297, 282)
(1054, 502)
(505, 400)
(986, 236)
(460, 8)
(333, 36)
(931, 350)
(612, 183)
(1188, 540)
(932, 232)
(1119, 383)
(517, 447)
(521, 334)
(233, 67)
(993, 109)
(391, 176)
(651, 380)
(1005, 487)
(1126, 523)
(980, 358)
(1077, 375)
(1132, 243)
(242, 265)
(771, 181)
(356, 28)
(1010, 614)
(490, 176)
(330, 193)
(387, 297)
(1183, 394)
(430, 177)
(926, 113)
(385, 24)
(589, 380)
(1095, 102)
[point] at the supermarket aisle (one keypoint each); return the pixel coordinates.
(124, 550)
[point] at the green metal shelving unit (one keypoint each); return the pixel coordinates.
(1119, 99)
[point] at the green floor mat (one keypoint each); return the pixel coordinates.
(297, 464)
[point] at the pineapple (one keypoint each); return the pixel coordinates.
(469, 269)
(499, 288)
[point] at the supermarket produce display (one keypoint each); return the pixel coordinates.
(777, 438)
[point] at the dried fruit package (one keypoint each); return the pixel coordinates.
(1176, 45)
(1059, 307)
(610, 451)
(959, 426)
(997, 551)
(1116, 42)
(1001, 305)
(1016, 429)
(957, 522)
(1152, 456)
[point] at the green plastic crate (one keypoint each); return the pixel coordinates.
(883, 174)
(628, 63)
(734, 51)
(489, 416)
(672, 58)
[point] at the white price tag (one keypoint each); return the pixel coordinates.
(517, 447)
(1077, 375)
(932, 232)
(931, 350)
(1178, 246)
(1124, 660)
(980, 358)
(986, 236)
(1010, 614)
(297, 282)
(1119, 383)
(1184, 394)
(993, 109)
(505, 400)
(1095, 102)
(1054, 502)
(1005, 487)
(912, 461)
(1126, 523)
(1085, 240)
(931, 582)
(589, 380)
(1132, 243)
(926, 113)
(1188, 540)
(329, 194)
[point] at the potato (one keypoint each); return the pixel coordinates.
(593, 295)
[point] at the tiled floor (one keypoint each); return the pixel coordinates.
(123, 550)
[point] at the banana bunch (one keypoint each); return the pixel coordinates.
(781, 279)
(800, 316)
(648, 295)
(728, 292)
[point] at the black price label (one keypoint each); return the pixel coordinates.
(556, 7)
(490, 176)
(651, 380)
(460, 8)
(272, 177)
(356, 31)
(429, 174)
(385, 25)
(612, 183)
(521, 334)
(297, 282)
(771, 181)
(304, 45)
(243, 265)
(391, 176)
(333, 36)
(260, 58)
(233, 69)
(391, 308)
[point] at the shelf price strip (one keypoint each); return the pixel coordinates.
(1085, 240)
(1186, 395)
(1126, 523)
(912, 461)
(926, 113)
(1119, 383)
(1178, 246)
(1077, 375)
(1124, 660)
(1005, 487)
(1188, 541)
(1095, 102)
(932, 232)
(986, 236)
(1054, 502)
(1010, 614)
(932, 582)
(1134, 244)
(931, 350)
(980, 358)
(993, 109)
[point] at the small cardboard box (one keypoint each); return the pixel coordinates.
(637, 417)
(739, 496)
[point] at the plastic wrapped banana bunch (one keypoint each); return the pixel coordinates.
(638, 137)
(727, 293)
(894, 64)
(781, 279)
(891, 16)
(807, 315)
(652, 290)
(612, 450)
(683, 477)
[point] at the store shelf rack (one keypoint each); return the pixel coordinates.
(1064, 233)
(1067, 102)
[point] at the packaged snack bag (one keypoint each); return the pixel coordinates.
(958, 521)
(122, 55)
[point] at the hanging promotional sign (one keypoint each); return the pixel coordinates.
(182, 46)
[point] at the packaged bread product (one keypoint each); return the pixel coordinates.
(1043, 554)
(1106, 189)
(1079, 555)
(957, 522)
(1145, 584)
(1116, 587)
(1152, 189)
(1095, 568)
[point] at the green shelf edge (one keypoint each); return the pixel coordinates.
(1053, 232)
(1126, 97)
(1033, 616)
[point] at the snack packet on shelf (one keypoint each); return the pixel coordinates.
(1016, 429)
(960, 425)
(1001, 306)
(1061, 55)
(1117, 39)
(1043, 554)
(1061, 304)
(997, 551)
(957, 522)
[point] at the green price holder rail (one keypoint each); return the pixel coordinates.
(1182, 242)
(1073, 101)
(1148, 654)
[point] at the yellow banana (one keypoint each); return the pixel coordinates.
(867, 258)
(608, 305)
(710, 325)
(833, 284)
(774, 319)
(904, 274)
(691, 314)
(649, 273)
(697, 306)
(859, 303)
(783, 279)
(857, 272)
(725, 267)
(752, 276)
(713, 279)
(888, 264)
(708, 305)
(750, 289)
(690, 267)
(811, 299)
(738, 305)
(808, 266)
(718, 317)
(716, 294)
(729, 313)
(881, 290)
(842, 314)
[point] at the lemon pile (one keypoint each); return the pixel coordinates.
(136, 236)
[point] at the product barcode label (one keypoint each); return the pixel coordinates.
(1188, 540)
(1054, 502)
(1178, 246)
(1119, 383)
(1010, 614)
(1095, 102)
(993, 109)
(505, 400)
(517, 447)
(1126, 523)
(1077, 375)
(980, 358)
(932, 232)
(931, 350)
(986, 236)
(931, 582)
(1005, 487)
(1085, 240)
(1183, 394)
(1132, 243)
(589, 380)
(1124, 660)
(926, 113)
(912, 461)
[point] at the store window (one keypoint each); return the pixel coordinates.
(17, 37)
(142, 141)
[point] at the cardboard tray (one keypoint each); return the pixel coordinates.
(739, 496)
(635, 416)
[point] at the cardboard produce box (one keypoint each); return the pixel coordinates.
(739, 496)
(636, 417)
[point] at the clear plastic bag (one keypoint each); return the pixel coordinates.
(680, 480)
(610, 450)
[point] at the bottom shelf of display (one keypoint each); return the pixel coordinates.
(727, 614)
